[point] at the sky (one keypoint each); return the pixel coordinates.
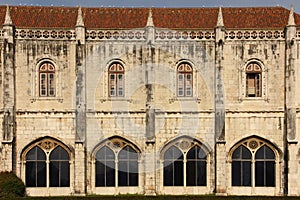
(156, 3)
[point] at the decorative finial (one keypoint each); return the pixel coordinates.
(79, 18)
(291, 21)
(150, 18)
(220, 22)
(7, 20)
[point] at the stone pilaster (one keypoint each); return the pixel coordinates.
(80, 121)
(220, 177)
(289, 100)
(9, 118)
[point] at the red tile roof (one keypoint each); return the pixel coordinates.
(173, 18)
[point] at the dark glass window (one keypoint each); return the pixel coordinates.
(265, 167)
(59, 168)
(241, 167)
(36, 168)
(116, 80)
(128, 167)
(47, 80)
(173, 167)
(196, 167)
(105, 167)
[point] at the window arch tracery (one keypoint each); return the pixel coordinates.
(47, 164)
(253, 164)
(185, 164)
(116, 164)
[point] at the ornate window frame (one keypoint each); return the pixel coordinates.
(47, 145)
(254, 144)
(194, 90)
(35, 86)
(184, 144)
(243, 81)
(117, 145)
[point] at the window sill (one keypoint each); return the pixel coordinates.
(115, 99)
(172, 100)
(59, 99)
(254, 99)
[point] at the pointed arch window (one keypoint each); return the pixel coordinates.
(253, 80)
(47, 80)
(47, 165)
(116, 167)
(184, 80)
(185, 168)
(116, 80)
(253, 161)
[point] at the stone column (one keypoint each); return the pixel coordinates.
(289, 101)
(9, 116)
(80, 109)
(220, 150)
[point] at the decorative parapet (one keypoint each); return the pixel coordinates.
(140, 35)
(135, 34)
(167, 34)
(254, 35)
(45, 34)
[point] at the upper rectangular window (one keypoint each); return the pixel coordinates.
(253, 80)
(116, 80)
(184, 80)
(47, 80)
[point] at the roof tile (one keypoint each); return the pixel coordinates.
(128, 18)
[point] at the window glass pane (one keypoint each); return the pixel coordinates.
(59, 154)
(100, 174)
(168, 173)
(270, 176)
(269, 153)
(201, 173)
(110, 173)
(123, 173)
(237, 153)
(259, 173)
(246, 154)
(236, 173)
(41, 174)
(30, 174)
(54, 174)
(105, 167)
(178, 173)
(246, 173)
(64, 174)
(191, 173)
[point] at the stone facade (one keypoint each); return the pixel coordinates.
(81, 105)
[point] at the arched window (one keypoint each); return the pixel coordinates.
(116, 166)
(128, 167)
(196, 167)
(253, 80)
(184, 80)
(241, 167)
(253, 156)
(47, 80)
(105, 167)
(185, 165)
(47, 165)
(36, 168)
(173, 167)
(59, 168)
(265, 167)
(116, 80)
